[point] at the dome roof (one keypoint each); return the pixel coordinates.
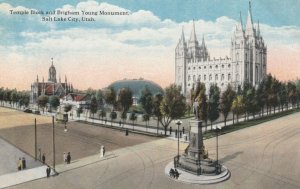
(136, 86)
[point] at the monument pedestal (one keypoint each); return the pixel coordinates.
(195, 159)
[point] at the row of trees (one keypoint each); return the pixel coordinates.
(270, 94)
(14, 97)
(165, 107)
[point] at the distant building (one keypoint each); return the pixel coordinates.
(247, 62)
(77, 100)
(50, 87)
(136, 86)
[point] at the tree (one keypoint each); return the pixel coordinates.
(124, 117)
(260, 97)
(42, 101)
(110, 97)
(173, 105)
(146, 100)
(67, 108)
(14, 96)
(282, 95)
(93, 106)
(156, 109)
(297, 83)
(99, 98)
(113, 116)
(125, 99)
(226, 101)
(238, 106)
(79, 111)
(213, 103)
(292, 93)
(54, 102)
(146, 118)
(1, 95)
(132, 118)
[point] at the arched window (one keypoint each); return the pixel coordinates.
(222, 77)
(229, 77)
(189, 78)
(194, 78)
(204, 77)
(216, 77)
(210, 77)
(199, 77)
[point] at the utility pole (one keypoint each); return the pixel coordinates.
(35, 140)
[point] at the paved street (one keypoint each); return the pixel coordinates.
(263, 156)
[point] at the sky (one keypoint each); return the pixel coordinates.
(140, 44)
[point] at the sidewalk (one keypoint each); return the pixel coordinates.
(22, 176)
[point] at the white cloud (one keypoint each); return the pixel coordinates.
(148, 44)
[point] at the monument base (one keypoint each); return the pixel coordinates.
(189, 178)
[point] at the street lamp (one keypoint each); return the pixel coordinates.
(217, 149)
(178, 122)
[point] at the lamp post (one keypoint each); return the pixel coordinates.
(217, 149)
(178, 122)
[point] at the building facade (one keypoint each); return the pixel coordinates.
(247, 62)
(50, 87)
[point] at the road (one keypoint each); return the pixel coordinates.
(263, 156)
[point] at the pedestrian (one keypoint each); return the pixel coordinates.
(183, 130)
(43, 158)
(120, 123)
(170, 130)
(48, 171)
(23, 163)
(69, 158)
(103, 150)
(19, 164)
(65, 157)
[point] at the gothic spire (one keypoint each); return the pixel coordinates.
(193, 37)
(249, 24)
(66, 79)
(258, 29)
(37, 78)
(182, 35)
(51, 61)
(203, 42)
(240, 24)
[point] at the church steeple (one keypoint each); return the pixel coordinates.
(240, 26)
(193, 38)
(258, 29)
(249, 25)
(203, 42)
(52, 73)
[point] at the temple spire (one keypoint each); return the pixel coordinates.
(249, 24)
(52, 61)
(258, 29)
(240, 24)
(193, 37)
(203, 41)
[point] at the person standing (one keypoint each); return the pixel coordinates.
(19, 164)
(48, 171)
(101, 151)
(65, 157)
(43, 158)
(69, 158)
(23, 163)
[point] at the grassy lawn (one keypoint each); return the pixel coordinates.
(242, 125)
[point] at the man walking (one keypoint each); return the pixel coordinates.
(69, 158)
(48, 171)
(43, 158)
(23, 163)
